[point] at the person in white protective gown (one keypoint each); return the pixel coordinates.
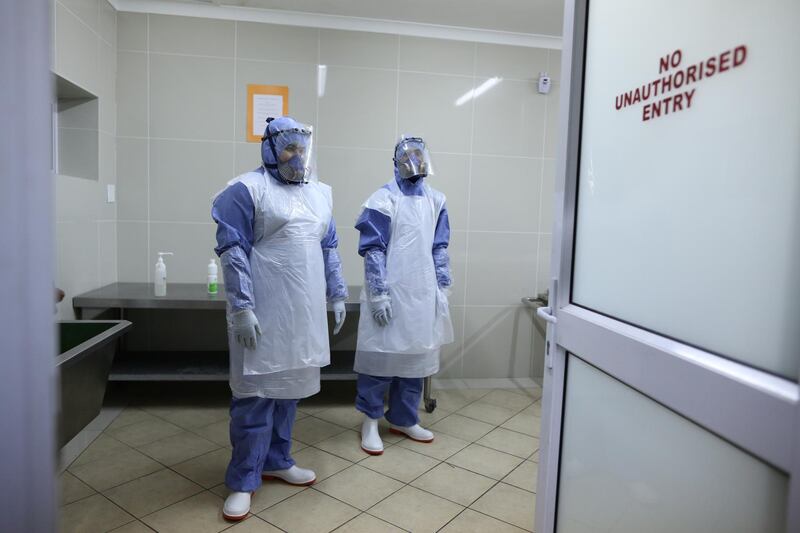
(277, 241)
(405, 318)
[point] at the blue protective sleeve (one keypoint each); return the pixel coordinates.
(234, 213)
(336, 286)
(375, 228)
(441, 240)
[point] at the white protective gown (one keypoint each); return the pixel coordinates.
(409, 345)
(288, 276)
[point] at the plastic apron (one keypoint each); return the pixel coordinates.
(288, 275)
(420, 312)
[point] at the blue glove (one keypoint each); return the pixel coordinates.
(245, 329)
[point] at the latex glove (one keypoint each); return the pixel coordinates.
(339, 314)
(245, 328)
(381, 308)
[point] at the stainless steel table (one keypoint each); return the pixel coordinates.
(200, 354)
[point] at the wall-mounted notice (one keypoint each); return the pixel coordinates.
(264, 101)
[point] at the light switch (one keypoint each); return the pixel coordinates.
(111, 191)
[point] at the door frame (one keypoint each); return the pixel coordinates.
(723, 396)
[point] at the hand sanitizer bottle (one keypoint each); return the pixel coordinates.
(161, 275)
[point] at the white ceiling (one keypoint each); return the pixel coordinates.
(542, 17)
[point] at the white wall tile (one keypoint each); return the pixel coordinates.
(512, 207)
(107, 252)
(543, 263)
(132, 94)
(132, 31)
(191, 97)
(107, 165)
(107, 88)
(502, 268)
(248, 157)
(85, 10)
(132, 197)
(133, 261)
(553, 123)
(76, 50)
(437, 56)
(498, 342)
(77, 260)
(107, 23)
(193, 245)
(352, 263)
(189, 35)
(277, 43)
(505, 61)
(358, 109)
(452, 178)
(78, 153)
(554, 65)
(185, 176)
(457, 250)
(427, 109)
(547, 200)
(358, 49)
(300, 78)
(508, 120)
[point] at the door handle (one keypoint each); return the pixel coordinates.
(546, 314)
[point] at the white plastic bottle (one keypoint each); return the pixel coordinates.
(213, 285)
(161, 275)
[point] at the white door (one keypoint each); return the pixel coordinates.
(671, 379)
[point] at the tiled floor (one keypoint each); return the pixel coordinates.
(160, 466)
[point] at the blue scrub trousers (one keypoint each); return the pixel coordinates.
(404, 397)
(261, 436)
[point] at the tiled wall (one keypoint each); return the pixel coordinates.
(85, 53)
(181, 137)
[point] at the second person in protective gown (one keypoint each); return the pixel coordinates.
(405, 317)
(277, 241)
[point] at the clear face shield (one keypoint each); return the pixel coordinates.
(292, 150)
(412, 159)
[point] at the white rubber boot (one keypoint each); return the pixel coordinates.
(415, 432)
(293, 476)
(370, 438)
(237, 506)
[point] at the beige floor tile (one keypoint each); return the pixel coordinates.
(534, 457)
(113, 470)
(455, 399)
(442, 447)
(206, 470)
(297, 446)
(486, 412)
(365, 523)
(358, 486)
(323, 463)
(103, 446)
(178, 448)
(218, 432)
(253, 525)
(345, 416)
(524, 423)
(536, 408)
(509, 504)
(485, 461)
(192, 417)
(471, 521)
(400, 463)
(133, 527)
(270, 493)
(534, 393)
(507, 399)
(94, 513)
(428, 419)
(462, 427)
(310, 512)
(416, 510)
(508, 441)
(346, 445)
(150, 493)
(201, 513)
(387, 436)
(454, 484)
(313, 430)
(311, 407)
(524, 476)
(72, 489)
(128, 416)
(144, 432)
